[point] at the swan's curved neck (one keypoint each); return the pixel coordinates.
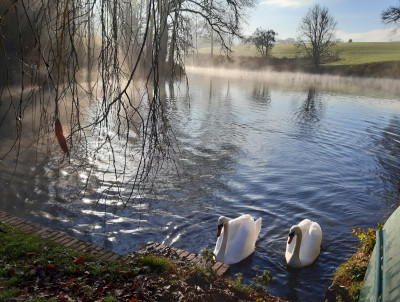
(221, 252)
(295, 259)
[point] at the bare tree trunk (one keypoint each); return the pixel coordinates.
(163, 37)
(171, 59)
(115, 34)
(149, 41)
(89, 45)
(212, 46)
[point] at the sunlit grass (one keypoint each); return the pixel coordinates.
(23, 256)
(351, 53)
(158, 263)
(361, 53)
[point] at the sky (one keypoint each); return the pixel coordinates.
(359, 20)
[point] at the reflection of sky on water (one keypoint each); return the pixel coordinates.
(245, 146)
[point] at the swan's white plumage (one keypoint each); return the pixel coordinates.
(304, 249)
(242, 236)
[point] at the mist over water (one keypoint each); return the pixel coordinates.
(369, 86)
(283, 147)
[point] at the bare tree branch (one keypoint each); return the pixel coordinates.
(391, 15)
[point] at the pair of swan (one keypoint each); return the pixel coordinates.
(237, 239)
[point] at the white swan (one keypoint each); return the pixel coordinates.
(238, 238)
(307, 237)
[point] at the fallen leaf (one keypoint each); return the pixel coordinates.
(79, 260)
(99, 290)
(71, 282)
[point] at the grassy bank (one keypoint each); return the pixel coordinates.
(351, 53)
(35, 269)
(358, 59)
(348, 279)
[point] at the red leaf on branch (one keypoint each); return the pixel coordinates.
(60, 137)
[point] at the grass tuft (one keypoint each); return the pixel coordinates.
(201, 276)
(110, 299)
(6, 295)
(239, 286)
(158, 263)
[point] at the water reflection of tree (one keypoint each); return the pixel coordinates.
(389, 159)
(261, 93)
(310, 112)
(211, 142)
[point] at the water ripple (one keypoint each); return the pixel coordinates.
(246, 147)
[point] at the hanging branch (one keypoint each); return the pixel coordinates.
(99, 66)
(58, 128)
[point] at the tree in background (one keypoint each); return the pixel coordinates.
(263, 40)
(391, 15)
(317, 34)
(222, 17)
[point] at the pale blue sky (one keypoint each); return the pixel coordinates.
(356, 19)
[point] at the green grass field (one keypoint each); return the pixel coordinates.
(351, 53)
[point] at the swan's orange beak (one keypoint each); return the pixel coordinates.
(291, 236)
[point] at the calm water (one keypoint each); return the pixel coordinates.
(280, 150)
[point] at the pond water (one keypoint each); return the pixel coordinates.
(281, 149)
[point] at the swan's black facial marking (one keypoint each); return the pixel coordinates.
(291, 235)
(219, 229)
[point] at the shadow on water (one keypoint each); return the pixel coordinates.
(302, 282)
(386, 146)
(292, 283)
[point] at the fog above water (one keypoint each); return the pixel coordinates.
(383, 87)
